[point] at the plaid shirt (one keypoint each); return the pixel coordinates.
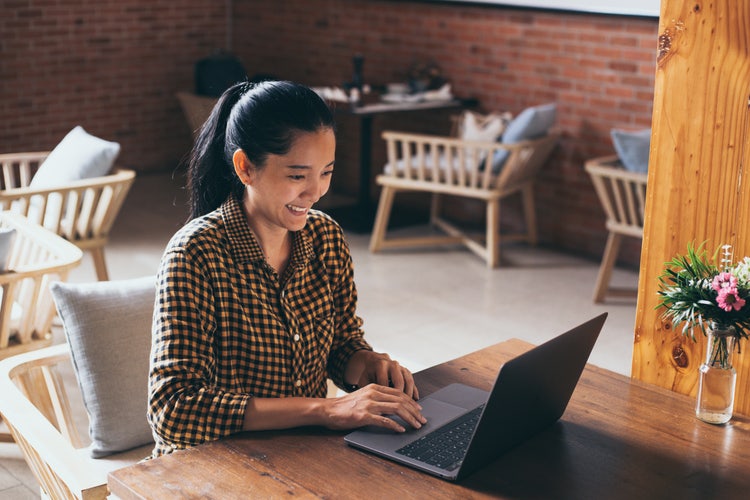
(227, 327)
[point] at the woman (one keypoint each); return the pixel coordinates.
(256, 303)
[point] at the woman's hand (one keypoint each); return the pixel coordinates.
(368, 367)
(372, 405)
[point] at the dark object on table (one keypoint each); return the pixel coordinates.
(216, 73)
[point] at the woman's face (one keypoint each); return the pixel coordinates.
(280, 194)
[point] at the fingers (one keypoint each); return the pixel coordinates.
(392, 401)
(387, 372)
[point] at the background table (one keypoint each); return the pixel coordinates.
(359, 218)
(618, 439)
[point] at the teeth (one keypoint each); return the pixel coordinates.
(296, 209)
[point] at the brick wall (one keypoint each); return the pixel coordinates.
(599, 70)
(112, 66)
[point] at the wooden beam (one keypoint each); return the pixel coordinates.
(698, 186)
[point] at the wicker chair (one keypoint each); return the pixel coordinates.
(38, 257)
(196, 109)
(450, 166)
(36, 407)
(623, 197)
(82, 212)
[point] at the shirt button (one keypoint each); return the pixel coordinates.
(298, 383)
(296, 337)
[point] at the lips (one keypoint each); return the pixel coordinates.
(296, 209)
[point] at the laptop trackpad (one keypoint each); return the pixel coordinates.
(438, 408)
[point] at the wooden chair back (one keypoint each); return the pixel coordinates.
(622, 195)
(38, 258)
(82, 212)
(196, 108)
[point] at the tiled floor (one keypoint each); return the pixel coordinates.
(422, 307)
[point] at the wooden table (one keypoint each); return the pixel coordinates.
(619, 438)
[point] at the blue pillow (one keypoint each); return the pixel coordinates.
(531, 123)
(632, 148)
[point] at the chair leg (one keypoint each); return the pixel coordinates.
(605, 269)
(493, 233)
(381, 218)
(435, 204)
(529, 212)
(100, 264)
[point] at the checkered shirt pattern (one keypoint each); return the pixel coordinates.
(227, 327)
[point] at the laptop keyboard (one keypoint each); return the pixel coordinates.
(445, 447)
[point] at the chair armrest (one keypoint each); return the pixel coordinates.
(53, 458)
(119, 175)
(82, 209)
(19, 168)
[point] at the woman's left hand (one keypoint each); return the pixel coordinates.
(379, 368)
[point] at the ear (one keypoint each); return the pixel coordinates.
(242, 166)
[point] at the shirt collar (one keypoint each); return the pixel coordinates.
(245, 246)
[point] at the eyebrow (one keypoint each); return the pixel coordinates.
(308, 167)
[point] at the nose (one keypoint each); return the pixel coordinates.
(316, 188)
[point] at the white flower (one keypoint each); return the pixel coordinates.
(742, 272)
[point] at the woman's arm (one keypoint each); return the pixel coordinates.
(367, 406)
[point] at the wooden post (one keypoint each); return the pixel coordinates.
(698, 184)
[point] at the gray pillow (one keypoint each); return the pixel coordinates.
(531, 123)
(632, 148)
(108, 327)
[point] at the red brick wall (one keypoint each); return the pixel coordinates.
(598, 69)
(112, 66)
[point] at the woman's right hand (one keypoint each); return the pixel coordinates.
(372, 405)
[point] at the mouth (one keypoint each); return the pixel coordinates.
(297, 210)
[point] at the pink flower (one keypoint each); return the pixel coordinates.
(723, 281)
(729, 299)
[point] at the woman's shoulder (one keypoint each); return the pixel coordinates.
(321, 225)
(207, 230)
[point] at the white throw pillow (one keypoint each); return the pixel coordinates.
(108, 327)
(482, 128)
(78, 156)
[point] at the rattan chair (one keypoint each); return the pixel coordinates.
(38, 257)
(623, 197)
(36, 407)
(450, 166)
(82, 212)
(196, 109)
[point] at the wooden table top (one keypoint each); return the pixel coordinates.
(619, 438)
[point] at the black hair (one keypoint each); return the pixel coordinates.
(260, 119)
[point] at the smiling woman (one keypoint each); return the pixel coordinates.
(256, 302)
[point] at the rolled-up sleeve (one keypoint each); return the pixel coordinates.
(185, 407)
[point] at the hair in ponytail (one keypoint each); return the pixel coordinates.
(261, 119)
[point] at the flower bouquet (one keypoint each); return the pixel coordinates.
(699, 294)
(715, 299)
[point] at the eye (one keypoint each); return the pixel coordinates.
(328, 173)
(297, 177)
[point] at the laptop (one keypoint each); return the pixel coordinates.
(467, 428)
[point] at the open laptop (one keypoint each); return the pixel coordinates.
(530, 393)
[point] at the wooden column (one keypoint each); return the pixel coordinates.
(698, 181)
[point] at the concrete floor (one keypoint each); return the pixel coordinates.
(422, 307)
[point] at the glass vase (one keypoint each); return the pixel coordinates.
(715, 401)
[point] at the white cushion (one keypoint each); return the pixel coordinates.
(78, 156)
(108, 327)
(482, 128)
